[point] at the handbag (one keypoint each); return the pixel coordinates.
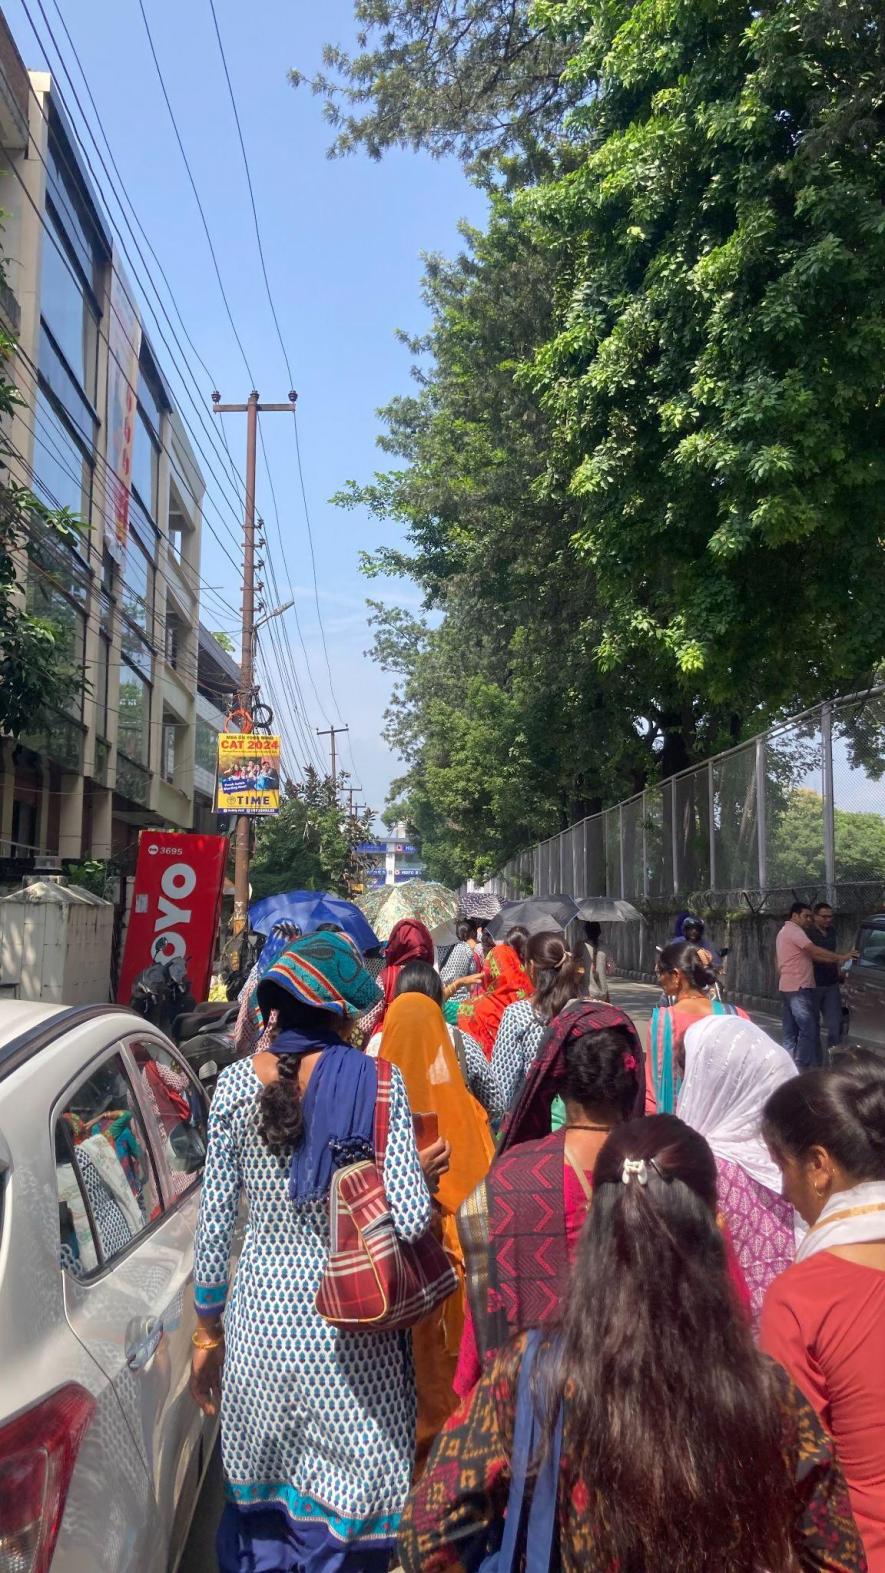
(375, 1282)
(529, 1541)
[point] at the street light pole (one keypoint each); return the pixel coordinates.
(251, 410)
(332, 732)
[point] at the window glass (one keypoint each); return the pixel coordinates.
(68, 625)
(872, 947)
(149, 400)
(138, 585)
(66, 309)
(145, 461)
(62, 473)
(66, 392)
(102, 678)
(206, 745)
(73, 211)
(178, 1105)
(107, 1188)
(133, 720)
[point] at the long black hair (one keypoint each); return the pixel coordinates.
(280, 1115)
(555, 972)
(674, 1422)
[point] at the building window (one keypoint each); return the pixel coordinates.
(145, 465)
(66, 307)
(170, 745)
(206, 746)
(102, 682)
(55, 587)
(138, 585)
(24, 828)
(134, 718)
(62, 471)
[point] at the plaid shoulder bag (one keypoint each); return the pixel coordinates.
(374, 1281)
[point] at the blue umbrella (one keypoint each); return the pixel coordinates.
(310, 908)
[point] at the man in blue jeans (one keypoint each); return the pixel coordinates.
(796, 955)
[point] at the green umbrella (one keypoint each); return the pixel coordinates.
(424, 899)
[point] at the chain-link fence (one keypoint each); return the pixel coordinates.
(799, 808)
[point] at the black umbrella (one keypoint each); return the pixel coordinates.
(538, 914)
(607, 909)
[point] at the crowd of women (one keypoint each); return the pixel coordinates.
(664, 1350)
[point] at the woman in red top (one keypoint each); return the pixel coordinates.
(824, 1318)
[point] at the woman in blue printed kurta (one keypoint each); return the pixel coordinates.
(317, 1424)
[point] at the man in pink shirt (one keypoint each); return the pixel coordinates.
(796, 954)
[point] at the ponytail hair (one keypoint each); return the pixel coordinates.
(841, 1110)
(556, 974)
(517, 938)
(280, 1112)
(681, 956)
(675, 1425)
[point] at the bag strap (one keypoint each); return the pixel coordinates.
(382, 1109)
(542, 1536)
(523, 1430)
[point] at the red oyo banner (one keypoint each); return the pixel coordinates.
(176, 906)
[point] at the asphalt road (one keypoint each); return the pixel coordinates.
(638, 1000)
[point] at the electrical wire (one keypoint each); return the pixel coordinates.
(286, 360)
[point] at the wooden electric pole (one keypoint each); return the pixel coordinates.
(332, 732)
(251, 409)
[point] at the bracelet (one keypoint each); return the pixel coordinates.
(214, 1343)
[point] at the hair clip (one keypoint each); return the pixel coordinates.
(629, 1062)
(634, 1168)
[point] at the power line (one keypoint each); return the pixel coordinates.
(276, 322)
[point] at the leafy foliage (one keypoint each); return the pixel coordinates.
(311, 844)
(643, 491)
(478, 78)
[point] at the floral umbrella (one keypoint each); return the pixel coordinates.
(433, 904)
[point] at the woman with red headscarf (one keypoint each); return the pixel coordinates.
(410, 940)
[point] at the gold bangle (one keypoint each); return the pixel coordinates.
(212, 1344)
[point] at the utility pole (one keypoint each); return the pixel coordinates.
(351, 790)
(332, 732)
(251, 409)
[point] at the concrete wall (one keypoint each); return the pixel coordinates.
(750, 971)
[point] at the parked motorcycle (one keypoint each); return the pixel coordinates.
(162, 992)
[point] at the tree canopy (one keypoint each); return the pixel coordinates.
(311, 844)
(644, 463)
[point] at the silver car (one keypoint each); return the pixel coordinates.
(864, 992)
(102, 1144)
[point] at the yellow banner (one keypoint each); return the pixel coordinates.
(248, 773)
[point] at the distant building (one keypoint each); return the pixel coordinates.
(134, 747)
(392, 860)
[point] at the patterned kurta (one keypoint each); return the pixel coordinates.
(316, 1421)
(463, 1492)
(516, 1048)
(460, 963)
(762, 1227)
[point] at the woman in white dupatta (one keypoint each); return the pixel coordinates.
(731, 1069)
(824, 1319)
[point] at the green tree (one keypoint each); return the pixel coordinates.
(224, 640)
(311, 844)
(478, 78)
(796, 843)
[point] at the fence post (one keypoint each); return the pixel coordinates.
(644, 849)
(829, 805)
(761, 826)
(621, 848)
(711, 815)
(674, 817)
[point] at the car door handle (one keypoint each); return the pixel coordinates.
(139, 1353)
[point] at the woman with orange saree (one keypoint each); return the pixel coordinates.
(416, 1039)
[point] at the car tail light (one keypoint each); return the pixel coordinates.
(38, 1450)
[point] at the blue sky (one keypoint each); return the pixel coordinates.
(343, 241)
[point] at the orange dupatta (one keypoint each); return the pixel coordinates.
(504, 981)
(416, 1038)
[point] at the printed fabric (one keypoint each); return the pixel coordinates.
(504, 980)
(463, 1492)
(315, 1421)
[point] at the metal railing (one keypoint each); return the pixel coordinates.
(799, 807)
